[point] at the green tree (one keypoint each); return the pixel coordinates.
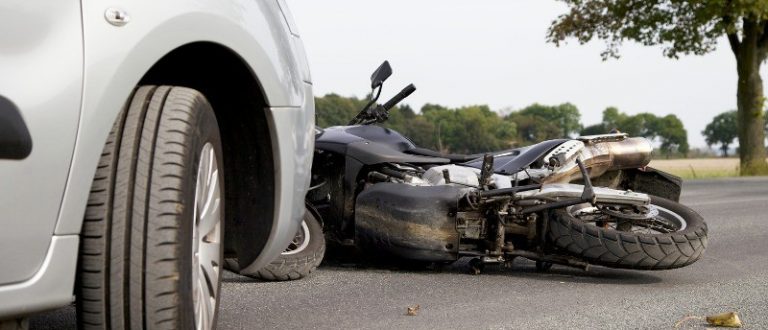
(673, 136)
(722, 130)
(613, 118)
(332, 109)
(538, 122)
(686, 27)
(533, 129)
(414, 126)
(669, 130)
(566, 116)
(595, 129)
(444, 122)
(642, 124)
(470, 129)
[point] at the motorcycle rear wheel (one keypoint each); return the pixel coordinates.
(679, 244)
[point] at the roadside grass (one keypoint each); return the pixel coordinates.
(699, 168)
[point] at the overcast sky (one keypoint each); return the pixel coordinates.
(494, 52)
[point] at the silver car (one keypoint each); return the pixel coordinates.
(141, 142)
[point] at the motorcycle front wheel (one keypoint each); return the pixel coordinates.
(301, 257)
(672, 236)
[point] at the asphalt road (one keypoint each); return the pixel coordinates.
(732, 276)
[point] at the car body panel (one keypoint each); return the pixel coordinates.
(45, 63)
(51, 287)
(294, 154)
(112, 60)
(117, 57)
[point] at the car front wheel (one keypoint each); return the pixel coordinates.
(151, 247)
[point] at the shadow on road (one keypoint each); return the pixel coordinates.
(522, 269)
(595, 275)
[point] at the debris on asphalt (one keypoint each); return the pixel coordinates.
(413, 310)
(729, 319)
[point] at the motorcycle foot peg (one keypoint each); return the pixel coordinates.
(509, 262)
(492, 260)
(476, 266)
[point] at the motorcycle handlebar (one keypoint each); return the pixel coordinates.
(400, 96)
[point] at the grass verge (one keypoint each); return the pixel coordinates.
(699, 168)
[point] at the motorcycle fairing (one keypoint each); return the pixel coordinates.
(360, 146)
(417, 223)
(514, 160)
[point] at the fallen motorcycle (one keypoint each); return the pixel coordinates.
(577, 202)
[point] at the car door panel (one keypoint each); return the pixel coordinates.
(41, 59)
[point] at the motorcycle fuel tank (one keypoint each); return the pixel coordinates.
(370, 144)
(333, 137)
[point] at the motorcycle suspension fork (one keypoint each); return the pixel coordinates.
(486, 172)
(499, 237)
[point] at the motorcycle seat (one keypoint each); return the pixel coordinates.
(454, 158)
(513, 160)
(505, 162)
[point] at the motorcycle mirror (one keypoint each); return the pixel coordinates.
(381, 74)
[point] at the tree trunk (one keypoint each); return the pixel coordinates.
(750, 104)
(439, 139)
(724, 148)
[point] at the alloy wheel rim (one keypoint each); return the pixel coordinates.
(300, 241)
(206, 239)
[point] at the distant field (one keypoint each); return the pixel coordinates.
(699, 168)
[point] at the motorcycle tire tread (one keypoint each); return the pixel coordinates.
(616, 249)
(300, 265)
(288, 269)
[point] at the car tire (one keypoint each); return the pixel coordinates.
(302, 257)
(150, 246)
(21, 323)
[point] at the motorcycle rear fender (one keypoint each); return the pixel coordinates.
(645, 180)
(653, 182)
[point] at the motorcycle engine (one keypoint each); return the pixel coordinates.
(462, 176)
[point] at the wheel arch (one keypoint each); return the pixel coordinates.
(240, 104)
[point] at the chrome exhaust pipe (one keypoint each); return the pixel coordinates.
(630, 153)
(598, 157)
